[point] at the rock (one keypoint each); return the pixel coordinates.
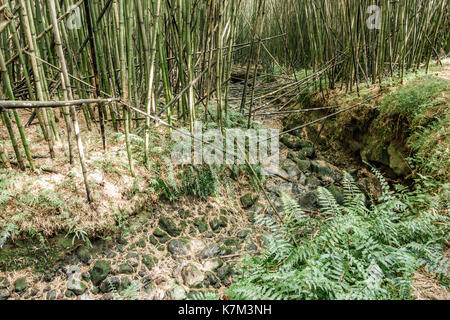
(109, 284)
(169, 226)
(20, 285)
(100, 271)
(291, 169)
(223, 221)
(196, 245)
(142, 243)
(286, 187)
(84, 254)
(95, 290)
(224, 271)
(397, 162)
(34, 292)
(74, 283)
(85, 276)
(375, 150)
(209, 252)
(243, 234)
(73, 272)
(212, 265)
(257, 210)
(177, 293)
(51, 295)
(312, 182)
(326, 171)
(85, 297)
(211, 278)
(69, 294)
(230, 242)
(298, 189)
(201, 225)
(337, 194)
(251, 247)
(248, 201)
(178, 247)
(132, 255)
(150, 289)
(4, 294)
(304, 165)
(306, 153)
(125, 268)
(192, 276)
(148, 262)
(295, 143)
(4, 283)
(309, 201)
(215, 225)
(111, 255)
(369, 184)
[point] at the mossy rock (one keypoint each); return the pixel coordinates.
(309, 201)
(201, 225)
(20, 285)
(64, 243)
(337, 194)
(142, 243)
(215, 225)
(148, 261)
(100, 271)
(169, 226)
(304, 165)
(248, 200)
(397, 162)
(295, 143)
(375, 149)
(125, 268)
(84, 254)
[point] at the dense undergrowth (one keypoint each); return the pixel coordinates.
(356, 252)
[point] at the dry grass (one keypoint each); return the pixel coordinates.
(109, 177)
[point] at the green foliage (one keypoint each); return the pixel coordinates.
(356, 253)
(129, 293)
(79, 234)
(418, 116)
(412, 99)
(199, 182)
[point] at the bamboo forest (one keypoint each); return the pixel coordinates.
(224, 150)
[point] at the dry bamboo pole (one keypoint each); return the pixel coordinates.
(68, 94)
(124, 77)
(151, 107)
(37, 80)
(261, 17)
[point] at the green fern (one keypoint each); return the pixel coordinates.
(357, 253)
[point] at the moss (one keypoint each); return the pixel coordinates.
(26, 255)
(64, 243)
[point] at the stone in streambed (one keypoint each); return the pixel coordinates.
(178, 247)
(169, 226)
(192, 276)
(100, 271)
(309, 201)
(20, 285)
(248, 201)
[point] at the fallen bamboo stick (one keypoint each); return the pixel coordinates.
(9, 104)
